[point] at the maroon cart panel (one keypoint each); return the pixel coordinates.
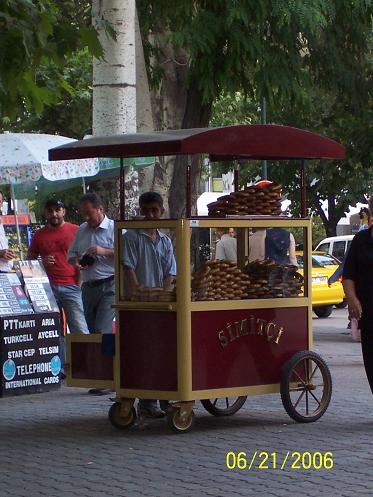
(148, 350)
(245, 347)
(89, 363)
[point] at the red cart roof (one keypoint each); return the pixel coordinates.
(265, 141)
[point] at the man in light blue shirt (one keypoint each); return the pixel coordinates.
(148, 255)
(93, 251)
(148, 259)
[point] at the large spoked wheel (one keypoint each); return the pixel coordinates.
(323, 311)
(225, 406)
(119, 421)
(306, 387)
(180, 423)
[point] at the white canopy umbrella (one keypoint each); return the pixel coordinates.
(24, 158)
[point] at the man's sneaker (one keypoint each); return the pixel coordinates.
(150, 412)
(99, 391)
(165, 405)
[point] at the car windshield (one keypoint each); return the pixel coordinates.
(319, 260)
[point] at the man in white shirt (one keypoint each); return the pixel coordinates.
(226, 246)
(92, 250)
(6, 255)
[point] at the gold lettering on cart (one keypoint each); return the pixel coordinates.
(222, 338)
(270, 331)
(230, 331)
(260, 325)
(257, 326)
(281, 331)
(252, 325)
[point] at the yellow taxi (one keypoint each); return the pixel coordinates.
(324, 297)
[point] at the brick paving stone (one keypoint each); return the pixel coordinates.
(61, 444)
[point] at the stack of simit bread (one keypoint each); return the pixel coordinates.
(219, 280)
(269, 279)
(254, 200)
(152, 294)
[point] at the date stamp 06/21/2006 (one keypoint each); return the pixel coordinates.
(262, 460)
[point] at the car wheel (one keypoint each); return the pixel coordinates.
(342, 305)
(323, 311)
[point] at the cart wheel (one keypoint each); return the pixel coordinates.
(225, 406)
(117, 420)
(178, 424)
(306, 387)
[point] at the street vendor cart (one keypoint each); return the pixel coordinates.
(228, 329)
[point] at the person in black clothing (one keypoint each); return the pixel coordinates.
(280, 246)
(358, 287)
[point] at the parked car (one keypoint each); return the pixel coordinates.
(323, 295)
(337, 246)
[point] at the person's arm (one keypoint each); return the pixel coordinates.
(337, 274)
(33, 251)
(31, 254)
(168, 282)
(169, 270)
(97, 250)
(292, 256)
(350, 276)
(73, 252)
(131, 279)
(129, 260)
(354, 305)
(220, 252)
(108, 249)
(6, 254)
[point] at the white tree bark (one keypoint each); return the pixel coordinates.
(114, 77)
(114, 86)
(144, 108)
(143, 103)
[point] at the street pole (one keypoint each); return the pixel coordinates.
(15, 210)
(263, 118)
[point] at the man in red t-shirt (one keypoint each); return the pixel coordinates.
(52, 243)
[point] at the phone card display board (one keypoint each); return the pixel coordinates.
(29, 353)
(37, 286)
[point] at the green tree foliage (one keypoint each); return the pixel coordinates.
(278, 49)
(33, 35)
(71, 114)
(231, 109)
(272, 49)
(318, 233)
(70, 197)
(339, 183)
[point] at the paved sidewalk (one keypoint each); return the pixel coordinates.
(62, 445)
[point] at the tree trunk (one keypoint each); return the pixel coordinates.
(168, 109)
(197, 115)
(176, 104)
(114, 90)
(331, 220)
